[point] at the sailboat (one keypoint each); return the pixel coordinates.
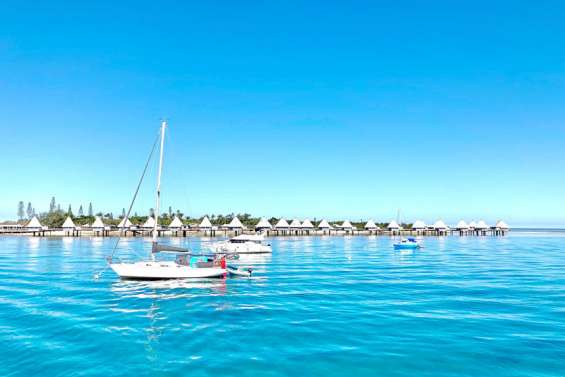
(181, 267)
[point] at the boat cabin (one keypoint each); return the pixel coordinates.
(243, 238)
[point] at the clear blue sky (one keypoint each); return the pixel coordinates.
(319, 109)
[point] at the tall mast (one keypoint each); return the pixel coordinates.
(158, 198)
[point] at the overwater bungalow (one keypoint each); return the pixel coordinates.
(149, 223)
(419, 227)
(462, 227)
(481, 228)
(440, 227)
(263, 225)
(500, 228)
(282, 226)
(393, 227)
(295, 226)
(99, 228)
(371, 226)
(69, 227)
(235, 225)
(206, 226)
(346, 227)
(325, 226)
(125, 224)
(307, 226)
(176, 224)
(502, 225)
(35, 226)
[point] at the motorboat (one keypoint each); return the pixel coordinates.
(185, 265)
(407, 243)
(242, 244)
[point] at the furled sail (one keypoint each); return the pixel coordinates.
(157, 247)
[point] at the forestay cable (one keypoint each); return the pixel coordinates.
(109, 258)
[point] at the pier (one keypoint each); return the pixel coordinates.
(281, 229)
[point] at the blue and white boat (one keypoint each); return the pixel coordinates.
(407, 243)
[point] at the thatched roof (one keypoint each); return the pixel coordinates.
(307, 224)
(34, 223)
(149, 223)
(282, 224)
(393, 225)
(205, 223)
(127, 223)
(98, 223)
(235, 224)
(440, 225)
(371, 225)
(176, 223)
(419, 224)
(69, 224)
(324, 224)
(263, 224)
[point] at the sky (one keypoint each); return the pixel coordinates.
(319, 109)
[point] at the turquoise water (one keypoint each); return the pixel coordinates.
(318, 307)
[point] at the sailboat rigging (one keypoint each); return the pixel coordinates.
(151, 269)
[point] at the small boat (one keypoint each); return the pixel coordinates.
(243, 244)
(239, 271)
(407, 243)
(181, 267)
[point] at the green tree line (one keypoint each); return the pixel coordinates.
(55, 217)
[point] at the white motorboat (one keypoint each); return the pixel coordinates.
(242, 244)
(180, 268)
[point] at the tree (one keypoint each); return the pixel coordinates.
(70, 211)
(52, 205)
(29, 211)
(90, 212)
(80, 211)
(21, 212)
(53, 219)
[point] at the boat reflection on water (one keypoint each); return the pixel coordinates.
(167, 289)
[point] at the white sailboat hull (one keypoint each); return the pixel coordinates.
(153, 270)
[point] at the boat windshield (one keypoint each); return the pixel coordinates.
(246, 238)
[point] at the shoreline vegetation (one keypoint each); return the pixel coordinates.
(55, 217)
(55, 220)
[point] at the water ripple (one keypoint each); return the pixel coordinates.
(331, 306)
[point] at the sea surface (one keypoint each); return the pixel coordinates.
(326, 306)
